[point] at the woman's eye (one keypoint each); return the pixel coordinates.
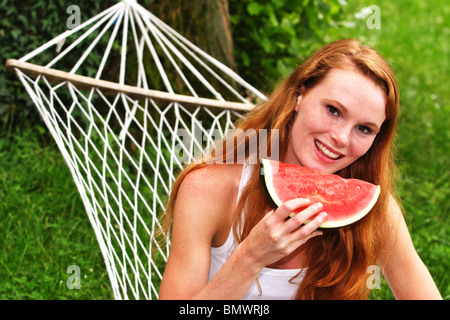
(364, 130)
(333, 110)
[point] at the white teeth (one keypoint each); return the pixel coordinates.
(327, 152)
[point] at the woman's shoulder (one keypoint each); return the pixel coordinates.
(213, 180)
(205, 198)
(395, 222)
(212, 187)
(395, 212)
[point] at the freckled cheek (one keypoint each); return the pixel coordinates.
(360, 147)
(318, 124)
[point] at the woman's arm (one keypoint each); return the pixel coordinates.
(201, 210)
(402, 267)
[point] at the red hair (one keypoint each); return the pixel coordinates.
(336, 262)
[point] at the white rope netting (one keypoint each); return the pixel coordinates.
(130, 102)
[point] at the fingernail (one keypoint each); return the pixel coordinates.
(317, 233)
(319, 205)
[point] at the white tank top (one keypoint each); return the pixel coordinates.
(276, 284)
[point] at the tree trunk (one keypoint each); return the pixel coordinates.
(204, 22)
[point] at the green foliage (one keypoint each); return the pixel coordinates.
(25, 26)
(272, 36)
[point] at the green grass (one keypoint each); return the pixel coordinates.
(44, 226)
(45, 229)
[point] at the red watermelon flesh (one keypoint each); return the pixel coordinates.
(344, 200)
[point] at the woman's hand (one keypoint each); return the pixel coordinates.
(275, 236)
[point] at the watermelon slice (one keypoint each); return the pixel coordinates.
(344, 200)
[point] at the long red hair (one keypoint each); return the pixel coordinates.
(337, 262)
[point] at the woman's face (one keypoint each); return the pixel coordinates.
(336, 121)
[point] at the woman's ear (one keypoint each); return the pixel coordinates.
(300, 98)
(299, 102)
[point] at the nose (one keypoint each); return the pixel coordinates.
(341, 136)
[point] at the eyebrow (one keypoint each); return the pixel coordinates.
(368, 123)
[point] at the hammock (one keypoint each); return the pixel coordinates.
(130, 102)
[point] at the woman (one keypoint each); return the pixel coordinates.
(336, 113)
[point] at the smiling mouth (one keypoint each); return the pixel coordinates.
(326, 152)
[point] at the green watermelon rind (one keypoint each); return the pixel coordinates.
(267, 169)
